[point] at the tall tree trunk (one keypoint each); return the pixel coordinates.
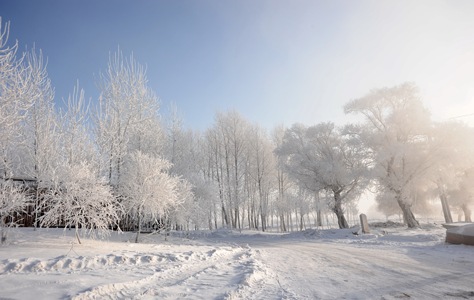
(242, 217)
(282, 223)
(296, 218)
(249, 214)
(215, 220)
(139, 226)
(290, 221)
(37, 204)
(445, 205)
(301, 221)
(262, 217)
(337, 209)
(77, 233)
(237, 217)
(319, 219)
(444, 201)
(110, 164)
(224, 214)
(467, 213)
(209, 222)
(3, 231)
(408, 216)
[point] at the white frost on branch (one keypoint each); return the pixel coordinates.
(81, 200)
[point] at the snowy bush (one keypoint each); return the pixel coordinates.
(149, 192)
(81, 200)
(12, 200)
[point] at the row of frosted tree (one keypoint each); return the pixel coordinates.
(118, 164)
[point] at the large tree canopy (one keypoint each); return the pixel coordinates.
(320, 157)
(397, 132)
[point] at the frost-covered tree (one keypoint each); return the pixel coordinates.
(203, 177)
(321, 157)
(228, 143)
(181, 147)
(205, 199)
(216, 172)
(40, 119)
(260, 176)
(11, 104)
(27, 120)
(284, 183)
(302, 203)
(452, 143)
(176, 142)
(149, 192)
(39, 144)
(13, 200)
(76, 196)
(420, 194)
(397, 133)
(185, 150)
(74, 124)
(82, 200)
(127, 115)
(386, 205)
(23, 82)
(10, 84)
(187, 209)
(462, 197)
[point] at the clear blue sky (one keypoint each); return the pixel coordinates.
(273, 61)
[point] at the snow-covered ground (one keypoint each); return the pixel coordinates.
(389, 263)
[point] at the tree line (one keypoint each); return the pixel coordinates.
(116, 163)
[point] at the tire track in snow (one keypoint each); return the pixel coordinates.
(66, 264)
(261, 283)
(225, 273)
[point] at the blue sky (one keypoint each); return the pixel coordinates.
(273, 61)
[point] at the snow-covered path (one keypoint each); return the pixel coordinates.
(315, 270)
(331, 264)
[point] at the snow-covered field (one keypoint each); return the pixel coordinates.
(390, 263)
